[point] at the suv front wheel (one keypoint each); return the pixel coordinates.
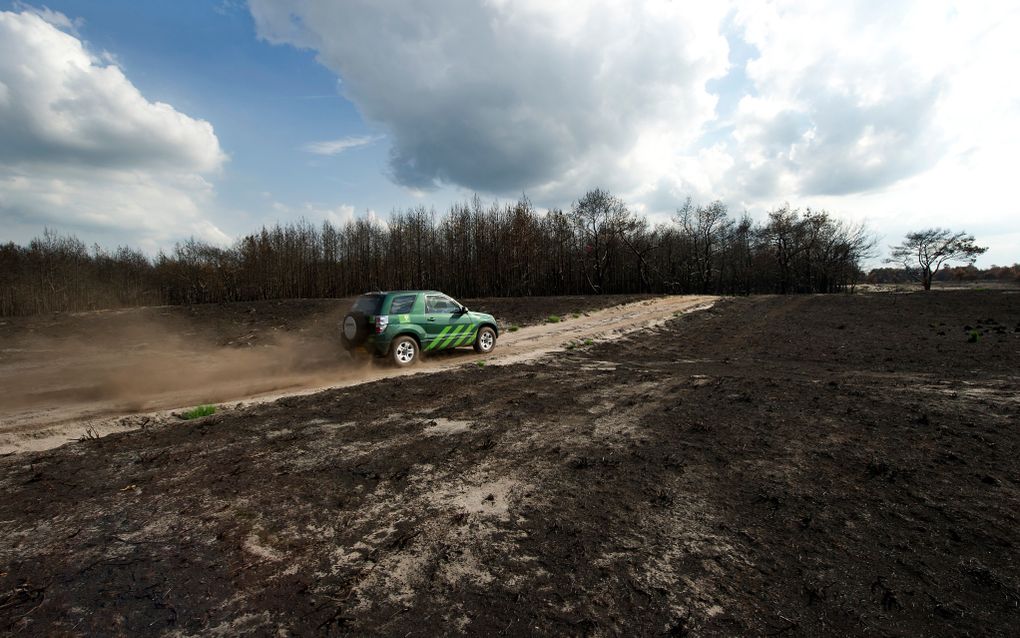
(486, 340)
(404, 351)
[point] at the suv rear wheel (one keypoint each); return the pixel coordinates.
(404, 351)
(485, 341)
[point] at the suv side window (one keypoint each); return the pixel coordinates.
(402, 305)
(440, 303)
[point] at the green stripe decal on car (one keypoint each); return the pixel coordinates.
(439, 337)
(453, 335)
(468, 337)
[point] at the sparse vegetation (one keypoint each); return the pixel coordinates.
(553, 319)
(513, 328)
(200, 411)
(89, 434)
(572, 344)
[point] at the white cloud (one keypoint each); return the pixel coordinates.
(82, 148)
(56, 18)
(840, 101)
(135, 206)
(338, 215)
(896, 113)
(506, 96)
(335, 147)
(884, 111)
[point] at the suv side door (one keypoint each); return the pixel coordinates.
(445, 326)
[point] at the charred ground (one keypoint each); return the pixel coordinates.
(794, 466)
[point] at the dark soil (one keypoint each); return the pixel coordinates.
(825, 465)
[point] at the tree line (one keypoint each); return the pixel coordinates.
(959, 274)
(472, 250)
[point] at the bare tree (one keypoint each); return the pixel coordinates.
(600, 219)
(708, 229)
(924, 252)
(786, 236)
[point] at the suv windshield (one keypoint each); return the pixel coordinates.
(368, 304)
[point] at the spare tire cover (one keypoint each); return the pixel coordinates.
(350, 327)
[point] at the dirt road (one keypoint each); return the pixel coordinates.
(808, 466)
(83, 381)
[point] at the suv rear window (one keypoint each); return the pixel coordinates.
(368, 304)
(402, 305)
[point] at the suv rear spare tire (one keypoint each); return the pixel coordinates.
(354, 329)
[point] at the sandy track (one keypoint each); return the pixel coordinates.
(61, 391)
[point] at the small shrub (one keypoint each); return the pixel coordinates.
(576, 315)
(588, 342)
(553, 319)
(200, 411)
(571, 345)
(974, 336)
(90, 434)
(513, 328)
(480, 364)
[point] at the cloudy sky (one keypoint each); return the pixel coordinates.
(146, 123)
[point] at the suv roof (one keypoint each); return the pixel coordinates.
(402, 292)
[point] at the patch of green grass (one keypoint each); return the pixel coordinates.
(576, 315)
(480, 364)
(200, 411)
(571, 345)
(588, 342)
(513, 328)
(553, 319)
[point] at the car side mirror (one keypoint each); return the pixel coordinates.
(463, 310)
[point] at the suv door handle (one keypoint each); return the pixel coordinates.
(430, 319)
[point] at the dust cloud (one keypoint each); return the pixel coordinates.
(144, 363)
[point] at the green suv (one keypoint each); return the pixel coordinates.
(401, 324)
